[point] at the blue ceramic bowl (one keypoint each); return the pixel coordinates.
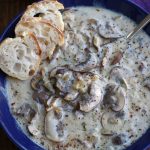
(7, 121)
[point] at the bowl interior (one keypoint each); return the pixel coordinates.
(7, 121)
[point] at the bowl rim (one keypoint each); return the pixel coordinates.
(7, 28)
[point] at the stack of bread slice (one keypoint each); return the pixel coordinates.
(38, 32)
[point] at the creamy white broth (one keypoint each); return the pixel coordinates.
(85, 130)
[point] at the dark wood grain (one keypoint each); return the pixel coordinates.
(8, 10)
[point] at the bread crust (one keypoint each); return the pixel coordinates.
(36, 39)
(8, 59)
(40, 27)
(46, 8)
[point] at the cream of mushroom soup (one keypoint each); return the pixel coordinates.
(94, 93)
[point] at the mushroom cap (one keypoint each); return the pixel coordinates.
(53, 130)
(120, 97)
(114, 97)
(109, 29)
(110, 121)
(35, 81)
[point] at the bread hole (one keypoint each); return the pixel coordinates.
(17, 67)
(20, 54)
(38, 15)
(28, 58)
(31, 72)
(28, 51)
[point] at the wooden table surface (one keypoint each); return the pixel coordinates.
(8, 10)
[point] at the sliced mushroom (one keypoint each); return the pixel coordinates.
(35, 82)
(57, 70)
(36, 125)
(41, 96)
(33, 126)
(109, 30)
(107, 132)
(48, 85)
(92, 99)
(90, 63)
(147, 83)
(26, 111)
(54, 128)
(111, 122)
(117, 75)
(119, 99)
(114, 98)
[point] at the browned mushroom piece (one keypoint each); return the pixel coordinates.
(141, 67)
(114, 97)
(146, 83)
(57, 70)
(36, 82)
(26, 111)
(117, 58)
(41, 97)
(111, 122)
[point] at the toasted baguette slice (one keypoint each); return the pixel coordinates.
(48, 36)
(47, 10)
(20, 57)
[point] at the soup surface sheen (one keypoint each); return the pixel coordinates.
(119, 79)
